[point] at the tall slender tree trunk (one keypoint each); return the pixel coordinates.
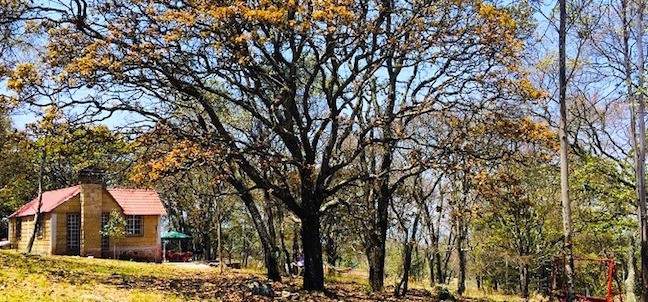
(37, 220)
(523, 271)
(431, 258)
(220, 238)
(461, 254)
(401, 288)
(446, 260)
(437, 254)
(295, 243)
(245, 252)
(282, 239)
(630, 281)
(379, 197)
(564, 164)
(631, 278)
(462, 232)
(506, 275)
(641, 158)
(440, 274)
(272, 266)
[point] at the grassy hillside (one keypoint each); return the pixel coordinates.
(62, 278)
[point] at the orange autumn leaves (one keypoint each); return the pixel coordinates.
(161, 154)
(241, 23)
(157, 165)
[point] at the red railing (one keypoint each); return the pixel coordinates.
(558, 291)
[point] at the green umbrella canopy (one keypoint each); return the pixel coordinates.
(175, 235)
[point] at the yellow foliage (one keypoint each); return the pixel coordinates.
(269, 15)
(498, 27)
(23, 75)
(182, 17)
(170, 37)
(3, 70)
(529, 91)
(169, 160)
(95, 56)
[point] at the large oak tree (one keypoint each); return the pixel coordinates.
(298, 71)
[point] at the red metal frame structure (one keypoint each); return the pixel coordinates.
(557, 290)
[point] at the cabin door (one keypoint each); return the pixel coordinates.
(73, 233)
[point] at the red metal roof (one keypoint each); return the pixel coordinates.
(51, 200)
(132, 201)
(138, 201)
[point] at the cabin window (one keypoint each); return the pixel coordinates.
(134, 225)
(18, 228)
(104, 239)
(73, 233)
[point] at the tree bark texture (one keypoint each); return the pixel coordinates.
(564, 164)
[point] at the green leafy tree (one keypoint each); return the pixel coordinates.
(115, 228)
(18, 181)
(70, 147)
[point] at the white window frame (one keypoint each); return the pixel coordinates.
(73, 234)
(134, 225)
(105, 243)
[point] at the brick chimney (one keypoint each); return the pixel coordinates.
(91, 175)
(91, 186)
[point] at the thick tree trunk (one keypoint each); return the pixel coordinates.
(377, 280)
(375, 247)
(376, 258)
(312, 245)
(271, 265)
(564, 164)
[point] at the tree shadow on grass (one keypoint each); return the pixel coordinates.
(191, 285)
